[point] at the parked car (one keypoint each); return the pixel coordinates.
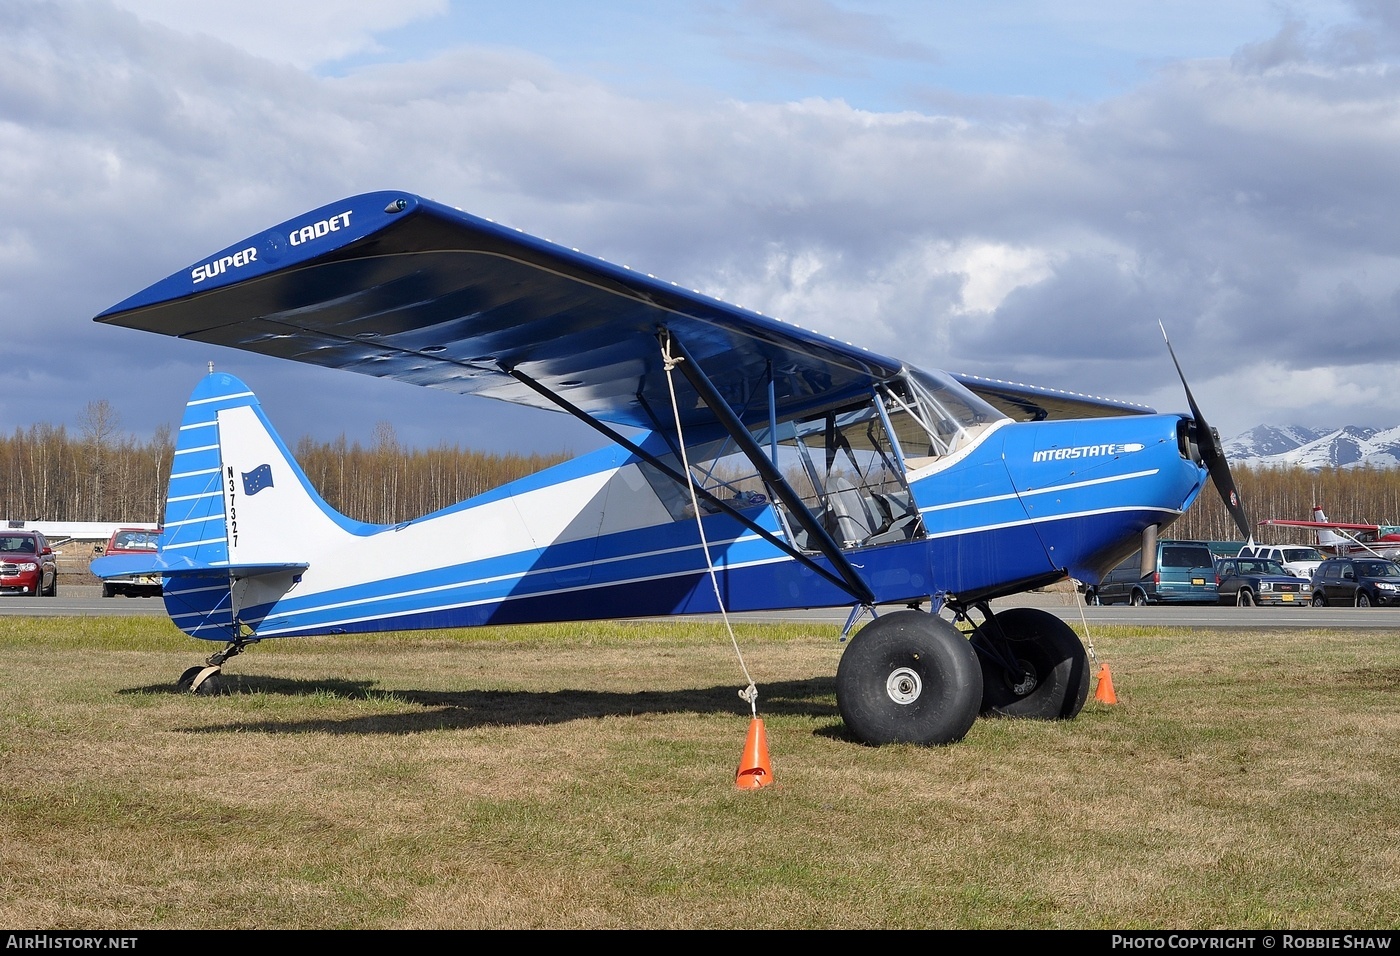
(1297, 559)
(1185, 575)
(1360, 582)
(27, 564)
(1246, 582)
(132, 541)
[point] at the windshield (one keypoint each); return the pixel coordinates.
(1302, 554)
(18, 544)
(1259, 566)
(1254, 566)
(1377, 569)
(933, 414)
(135, 541)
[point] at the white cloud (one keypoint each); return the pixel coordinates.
(1247, 208)
(994, 270)
(304, 33)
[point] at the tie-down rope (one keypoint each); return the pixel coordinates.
(749, 693)
(1088, 639)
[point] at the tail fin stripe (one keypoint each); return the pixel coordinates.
(202, 494)
(183, 545)
(231, 398)
(178, 524)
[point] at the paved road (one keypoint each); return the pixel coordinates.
(82, 600)
(78, 600)
(1305, 618)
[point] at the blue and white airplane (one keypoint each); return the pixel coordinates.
(753, 466)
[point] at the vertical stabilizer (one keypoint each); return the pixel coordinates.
(1326, 539)
(226, 451)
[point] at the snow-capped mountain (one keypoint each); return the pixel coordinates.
(1314, 449)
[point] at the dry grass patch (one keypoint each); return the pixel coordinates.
(584, 777)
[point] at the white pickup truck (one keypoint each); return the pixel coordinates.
(1297, 559)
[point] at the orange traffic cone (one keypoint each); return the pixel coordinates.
(1104, 692)
(754, 769)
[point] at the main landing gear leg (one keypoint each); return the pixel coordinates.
(1033, 664)
(855, 616)
(207, 680)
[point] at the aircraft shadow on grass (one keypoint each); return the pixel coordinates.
(458, 710)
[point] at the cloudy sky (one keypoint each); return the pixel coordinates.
(1021, 190)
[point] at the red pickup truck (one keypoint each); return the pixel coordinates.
(132, 541)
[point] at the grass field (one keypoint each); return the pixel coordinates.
(584, 777)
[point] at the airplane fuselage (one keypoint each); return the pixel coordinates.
(592, 539)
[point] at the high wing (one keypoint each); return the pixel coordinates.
(1333, 525)
(396, 286)
(1035, 403)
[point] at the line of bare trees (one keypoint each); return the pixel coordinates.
(98, 474)
(47, 473)
(1364, 494)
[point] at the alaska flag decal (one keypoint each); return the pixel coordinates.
(257, 479)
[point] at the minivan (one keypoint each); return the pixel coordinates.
(1185, 574)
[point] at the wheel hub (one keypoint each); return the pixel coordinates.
(904, 685)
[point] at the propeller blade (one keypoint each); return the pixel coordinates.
(1212, 454)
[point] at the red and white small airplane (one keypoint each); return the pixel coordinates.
(1343, 537)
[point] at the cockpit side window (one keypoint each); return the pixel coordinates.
(847, 462)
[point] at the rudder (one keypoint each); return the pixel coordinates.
(226, 450)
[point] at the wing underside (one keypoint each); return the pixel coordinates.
(392, 285)
(421, 293)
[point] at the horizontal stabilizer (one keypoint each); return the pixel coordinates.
(176, 566)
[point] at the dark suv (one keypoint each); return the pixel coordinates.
(27, 564)
(1362, 582)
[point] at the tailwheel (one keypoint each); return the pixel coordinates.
(1033, 665)
(203, 679)
(908, 677)
(208, 680)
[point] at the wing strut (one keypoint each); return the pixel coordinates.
(853, 585)
(677, 477)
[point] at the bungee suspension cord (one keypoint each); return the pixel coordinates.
(749, 693)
